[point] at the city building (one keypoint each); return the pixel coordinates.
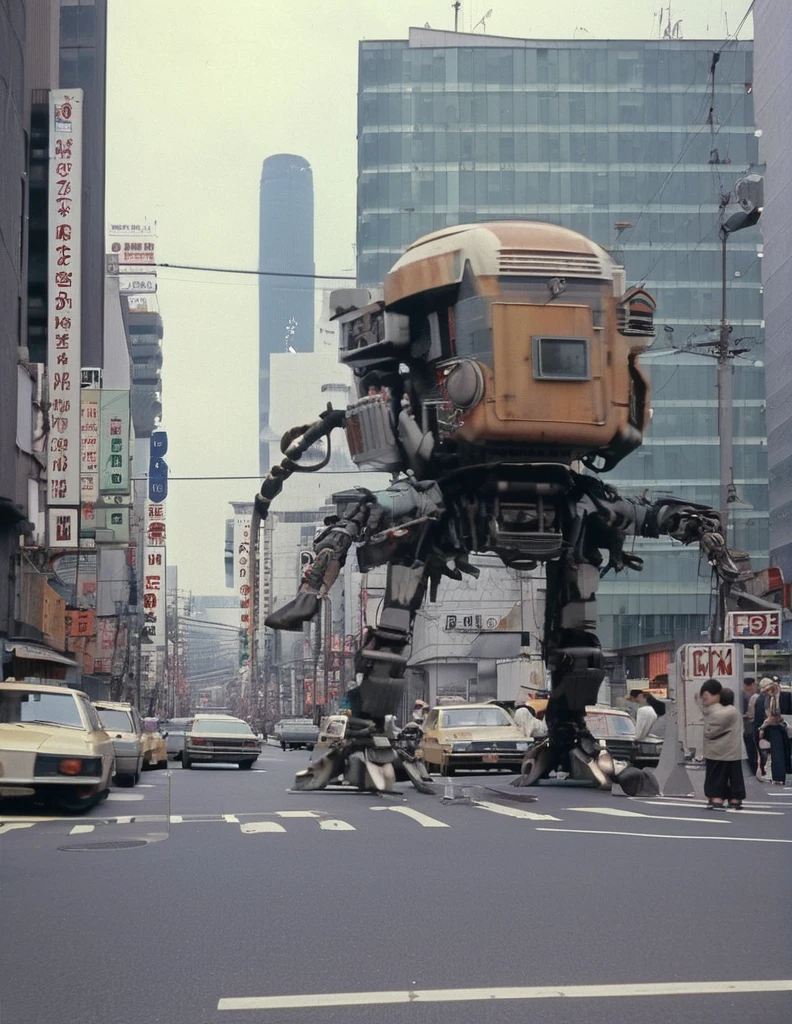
(773, 98)
(632, 143)
(286, 243)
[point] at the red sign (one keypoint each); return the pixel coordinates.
(753, 625)
(711, 661)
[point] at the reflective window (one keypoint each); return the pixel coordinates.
(42, 708)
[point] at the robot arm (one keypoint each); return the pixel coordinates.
(618, 517)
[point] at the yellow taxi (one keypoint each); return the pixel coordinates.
(153, 745)
(472, 736)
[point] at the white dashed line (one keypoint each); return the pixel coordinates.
(408, 812)
(466, 995)
(232, 818)
(80, 829)
(125, 797)
(297, 814)
(655, 835)
(336, 825)
(176, 819)
(254, 827)
(16, 825)
(616, 812)
(513, 812)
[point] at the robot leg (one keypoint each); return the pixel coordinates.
(366, 756)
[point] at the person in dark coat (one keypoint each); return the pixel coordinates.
(772, 729)
(723, 747)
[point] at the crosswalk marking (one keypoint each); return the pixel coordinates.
(16, 825)
(513, 812)
(616, 812)
(422, 819)
(336, 825)
(297, 814)
(176, 819)
(80, 829)
(254, 827)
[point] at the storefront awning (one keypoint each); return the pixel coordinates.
(37, 652)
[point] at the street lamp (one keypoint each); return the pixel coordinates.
(742, 209)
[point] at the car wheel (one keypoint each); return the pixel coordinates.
(246, 764)
(162, 764)
(447, 770)
(186, 762)
(126, 778)
(283, 745)
(80, 801)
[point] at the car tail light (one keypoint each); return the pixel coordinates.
(254, 744)
(70, 766)
(197, 741)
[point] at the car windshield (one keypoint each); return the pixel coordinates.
(621, 725)
(223, 725)
(43, 708)
(475, 718)
(116, 720)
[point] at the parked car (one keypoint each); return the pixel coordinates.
(473, 736)
(125, 727)
(220, 740)
(53, 745)
(155, 749)
(173, 730)
(296, 732)
(617, 729)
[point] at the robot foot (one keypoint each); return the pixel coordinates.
(319, 773)
(589, 769)
(293, 616)
(537, 762)
(368, 774)
(418, 776)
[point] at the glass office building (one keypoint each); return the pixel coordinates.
(621, 141)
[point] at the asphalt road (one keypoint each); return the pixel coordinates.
(237, 889)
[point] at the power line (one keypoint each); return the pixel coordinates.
(256, 273)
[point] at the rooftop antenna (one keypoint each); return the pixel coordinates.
(456, 7)
(483, 22)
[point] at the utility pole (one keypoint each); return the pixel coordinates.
(456, 7)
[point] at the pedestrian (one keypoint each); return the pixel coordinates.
(650, 709)
(532, 727)
(723, 778)
(773, 735)
(749, 698)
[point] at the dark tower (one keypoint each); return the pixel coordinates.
(286, 304)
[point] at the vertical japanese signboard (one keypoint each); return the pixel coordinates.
(89, 459)
(154, 574)
(63, 287)
(244, 583)
(113, 442)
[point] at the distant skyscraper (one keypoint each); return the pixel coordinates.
(286, 304)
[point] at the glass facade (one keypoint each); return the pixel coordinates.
(616, 140)
(773, 98)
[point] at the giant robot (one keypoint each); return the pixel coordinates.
(498, 379)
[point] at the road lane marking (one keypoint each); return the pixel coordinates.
(80, 829)
(15, 825)
(419, 816)
(513, 812)
(336, 825)
(231, 818)
(297, 814)
(176, 819)
(146, 785)
(616, 812)
(126, 797)
(655, 835)
(465, 995)
(747, 808)
(254, 827)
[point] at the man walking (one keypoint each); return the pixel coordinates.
(749, 696)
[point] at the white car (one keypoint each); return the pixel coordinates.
(125, 728)
(53, 745)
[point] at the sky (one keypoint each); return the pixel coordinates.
(198, 94)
